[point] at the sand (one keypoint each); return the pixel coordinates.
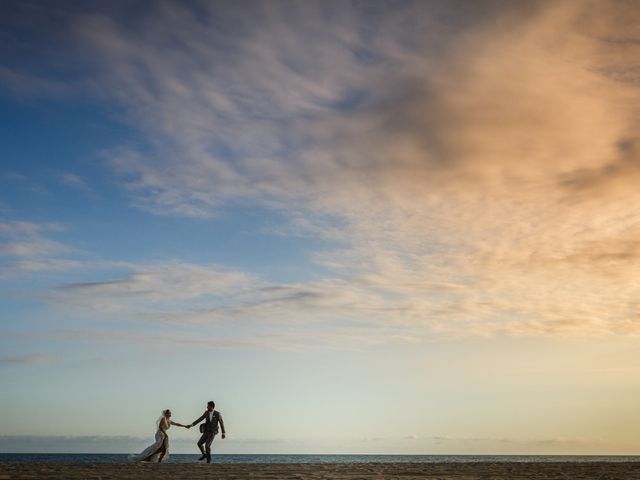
(338, 471)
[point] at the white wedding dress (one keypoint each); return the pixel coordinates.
(152, 452)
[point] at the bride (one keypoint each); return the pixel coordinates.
(159, 450)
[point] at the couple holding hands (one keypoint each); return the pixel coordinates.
(159, 450)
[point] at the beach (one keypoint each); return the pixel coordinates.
(322, 471)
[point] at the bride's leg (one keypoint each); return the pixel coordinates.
(148, 459)
(163, 450)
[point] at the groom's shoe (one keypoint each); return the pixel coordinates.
(202, 457)
(208, 458)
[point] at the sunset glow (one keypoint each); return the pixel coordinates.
(420, 217)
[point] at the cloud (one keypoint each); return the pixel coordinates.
(28, 85)
(91, 444)
(16, 228)
(73, 443)
(74, 181)
(522, 444)
(30, 359)
(477, 164)
(251, 312)
(26, 241)
(37, 62)
(114, 444)
(164, 284)
(26, 248)
(9, 176)
(33, 247)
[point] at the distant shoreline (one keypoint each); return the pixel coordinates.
(184, 458)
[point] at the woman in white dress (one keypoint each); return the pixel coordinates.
(159, 450)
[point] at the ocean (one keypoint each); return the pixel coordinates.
(228, 458)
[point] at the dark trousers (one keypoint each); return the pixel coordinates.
(206, 439)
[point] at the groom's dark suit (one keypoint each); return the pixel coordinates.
(212, 419)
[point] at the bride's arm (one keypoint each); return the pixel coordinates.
(179, 424)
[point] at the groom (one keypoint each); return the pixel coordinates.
(209, 430)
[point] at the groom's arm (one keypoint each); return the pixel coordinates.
(221, 424)
(197, 421)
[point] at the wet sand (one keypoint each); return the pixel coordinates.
(338, 471)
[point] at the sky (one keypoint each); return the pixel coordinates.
(358, 227)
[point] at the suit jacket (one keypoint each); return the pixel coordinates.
(210, 426)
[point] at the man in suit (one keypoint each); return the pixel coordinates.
(209, 430)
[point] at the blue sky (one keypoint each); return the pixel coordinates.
(417, 219)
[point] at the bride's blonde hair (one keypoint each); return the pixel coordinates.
(162, 417)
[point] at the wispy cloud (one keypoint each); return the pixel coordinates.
(30, 359)
(26, 241)
(477, 163)
(72, 443)
(27, 248)
(166, 285)
(91, 444)
(74, 180)
(468, 445)
(9, 176)
(250, 311)
(556, 441)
